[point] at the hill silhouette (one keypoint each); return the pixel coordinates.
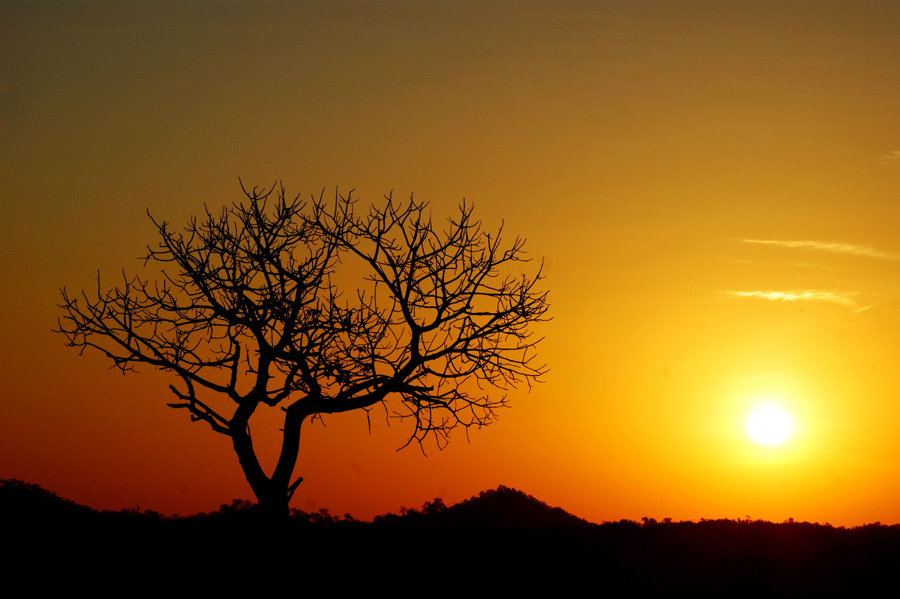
(501, 540)
(26, 504)
(500, 508)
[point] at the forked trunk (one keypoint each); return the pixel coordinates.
(273, 494)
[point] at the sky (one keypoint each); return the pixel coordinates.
(714, 189)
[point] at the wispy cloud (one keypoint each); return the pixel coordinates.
(889, 159)
(827, 246)
(800, 295)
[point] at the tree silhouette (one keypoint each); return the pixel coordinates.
(246, 311)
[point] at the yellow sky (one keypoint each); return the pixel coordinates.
(713, 187)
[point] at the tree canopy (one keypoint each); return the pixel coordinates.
(319, 308)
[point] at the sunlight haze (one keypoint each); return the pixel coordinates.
(714, 189)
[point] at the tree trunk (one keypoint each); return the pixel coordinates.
(273, 504)
(273, 494)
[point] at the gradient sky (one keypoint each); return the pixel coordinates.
(714, 188)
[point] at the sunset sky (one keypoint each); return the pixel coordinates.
(714, 188)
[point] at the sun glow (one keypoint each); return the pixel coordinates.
(769, 425)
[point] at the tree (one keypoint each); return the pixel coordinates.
(246, 312)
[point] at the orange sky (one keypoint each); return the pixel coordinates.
(713, 186)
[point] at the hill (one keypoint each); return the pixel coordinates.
(502, 540)
(500, 508)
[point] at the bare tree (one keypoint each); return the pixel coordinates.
(246, 311)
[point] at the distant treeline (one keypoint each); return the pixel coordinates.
(500, 540)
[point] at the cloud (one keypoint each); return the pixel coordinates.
(827, 246)
(889, 159)
(800, 295)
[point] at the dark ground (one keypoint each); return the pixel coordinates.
(502, 541)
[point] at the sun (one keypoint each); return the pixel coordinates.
(769, 425)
